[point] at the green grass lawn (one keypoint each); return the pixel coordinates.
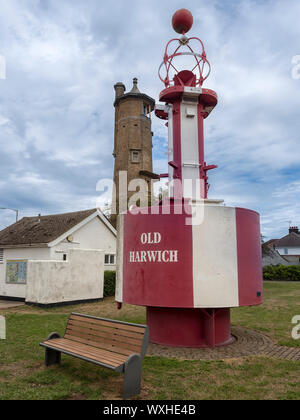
(23, 375)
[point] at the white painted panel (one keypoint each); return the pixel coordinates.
(19, 290)
(93, 235)
(80, 278)
(170, 149)
(215, 259)
(189, 147)
(120, 253)
(291, 251)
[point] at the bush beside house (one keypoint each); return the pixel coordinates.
(282, 273)
(109, 283)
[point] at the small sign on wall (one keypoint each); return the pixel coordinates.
(16, 272)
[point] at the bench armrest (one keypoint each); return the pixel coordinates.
(53, 335)
(145, 342)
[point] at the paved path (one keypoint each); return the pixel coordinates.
(6, 304)
(248, 343)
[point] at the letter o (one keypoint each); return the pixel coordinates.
(144, 238)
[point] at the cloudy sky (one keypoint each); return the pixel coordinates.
(56, 103)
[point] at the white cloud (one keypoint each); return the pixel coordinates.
(56, 105)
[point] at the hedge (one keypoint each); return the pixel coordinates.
(282, 273)
(109, 283)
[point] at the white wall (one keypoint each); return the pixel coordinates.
(80, 278)
(291, 251)
(19, 290)
(93, 235)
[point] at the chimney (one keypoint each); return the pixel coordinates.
(294, 229)
(120, 89)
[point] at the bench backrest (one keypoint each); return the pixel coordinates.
(115, 336)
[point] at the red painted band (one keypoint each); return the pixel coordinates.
(249, 257)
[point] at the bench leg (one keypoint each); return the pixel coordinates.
(52, 357)
(133, 376)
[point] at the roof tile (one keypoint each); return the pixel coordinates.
(41, 230)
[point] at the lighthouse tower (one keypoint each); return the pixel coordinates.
(190, 259)
(132, 141)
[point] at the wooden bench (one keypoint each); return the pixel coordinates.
(116, 345)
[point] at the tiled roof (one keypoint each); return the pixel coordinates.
(271, 242)
(291, 240)
(41, 229)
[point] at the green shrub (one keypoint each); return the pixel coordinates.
(282, 273)
(109, 283)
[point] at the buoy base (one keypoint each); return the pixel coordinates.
(175, 327)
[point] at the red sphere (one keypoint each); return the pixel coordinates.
(182, 21)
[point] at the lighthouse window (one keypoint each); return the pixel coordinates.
(135, 156)
(147, 110)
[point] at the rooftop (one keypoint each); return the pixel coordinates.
(134, 93)
(41, 230)
(290, 240)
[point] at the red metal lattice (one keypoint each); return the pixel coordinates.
(202, 66)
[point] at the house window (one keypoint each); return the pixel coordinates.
(16, 272)
(1, 255)
(109, 259)
(286, 251)
(135, 156)
(65, 257)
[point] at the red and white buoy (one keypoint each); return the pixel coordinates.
(189, 271)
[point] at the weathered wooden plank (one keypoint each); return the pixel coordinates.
(113, 335)
(86, 351)
(124, 327)
(136, 335)
(82, 334)
(100, 345)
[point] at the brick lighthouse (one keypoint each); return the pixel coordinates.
(132, 140)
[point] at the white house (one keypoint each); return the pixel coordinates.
(288, 246)
(58, 258)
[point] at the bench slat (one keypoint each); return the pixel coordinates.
(124, 327)
(86, 351)
(108, 355)
(84, 354)
(113, 334)
(85, 335)
(99, 345)
(123, 333)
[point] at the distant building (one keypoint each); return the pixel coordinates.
(288, 246)
(132, 140)
(55, 259)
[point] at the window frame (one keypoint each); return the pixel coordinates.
(138, 156)
(110, 257)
